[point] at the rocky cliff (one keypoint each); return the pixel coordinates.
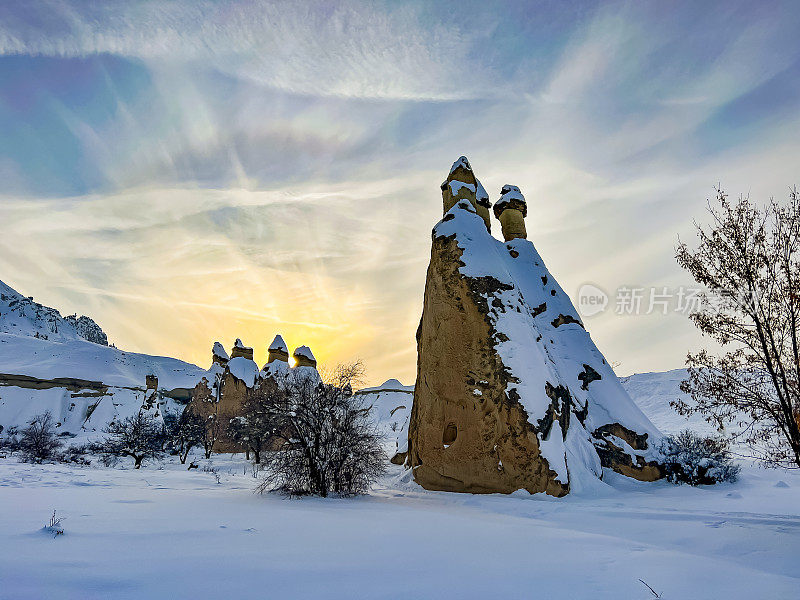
(21, 315)
(511, 392)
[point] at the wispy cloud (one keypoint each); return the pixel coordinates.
(347, 49)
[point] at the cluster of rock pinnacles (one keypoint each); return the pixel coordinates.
(499, 408)
(235, 373)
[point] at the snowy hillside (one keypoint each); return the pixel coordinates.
(79, 359)
(391, 408)
(653, 392)
(49, 363)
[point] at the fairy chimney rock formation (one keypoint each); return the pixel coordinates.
(225, 391)
(278, 350)
(511, 211)
(218, 355)
(304, 358)
(240, 350)
(511, 392)
(459, 185)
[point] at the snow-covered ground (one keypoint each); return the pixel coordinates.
(172, 533)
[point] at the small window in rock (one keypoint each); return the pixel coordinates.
(450, 434)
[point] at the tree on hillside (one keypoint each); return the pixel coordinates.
(326, 441)
(139, 436)
(748, 260)
(184, 431)
(38, 441)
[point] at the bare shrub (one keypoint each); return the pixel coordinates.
(54, 525)
(183, 432)
(328, 444)
(139, 436)
(38, 441)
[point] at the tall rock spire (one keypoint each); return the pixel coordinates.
(511, 392)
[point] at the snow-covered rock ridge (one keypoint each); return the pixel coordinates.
(21, 315)
(511, 391)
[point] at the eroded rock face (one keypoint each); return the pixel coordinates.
(465, 433)
(511, 392)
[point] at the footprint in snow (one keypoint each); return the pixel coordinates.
(781, 484)
(733, 495)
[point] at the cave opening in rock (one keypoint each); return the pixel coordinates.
(450, 434)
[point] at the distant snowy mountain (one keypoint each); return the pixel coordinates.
(21, 315)
(653, 393)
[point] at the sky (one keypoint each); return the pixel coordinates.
(191, 171)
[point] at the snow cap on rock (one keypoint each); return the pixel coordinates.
(219, 350)
(461, 163)
(239, 349)
(278, 350)
(218, 355)
(278, 344)
(459, 185)
(511, 210)
(304, 357)
(510, 197)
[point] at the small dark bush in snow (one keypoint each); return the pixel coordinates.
(54, 525)
(697, 460)
(9, 439)
(76, 455)
(38, 441)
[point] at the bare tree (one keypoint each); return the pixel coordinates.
(205, 403)
(327, 442)
(749, 262)
(255, 428)
(139, 436)
(38, 441)
(184, 431)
